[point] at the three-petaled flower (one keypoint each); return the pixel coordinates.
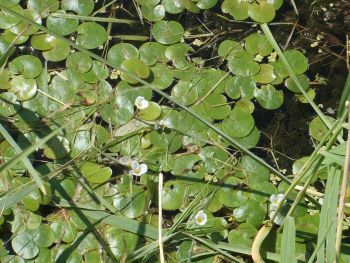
(141, 103)
(137, 168)
(275, 201)
(201, 218)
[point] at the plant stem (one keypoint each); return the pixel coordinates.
(94, 19)
(343, 191)
(160, 218)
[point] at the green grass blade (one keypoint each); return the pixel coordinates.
(288, 241)
(334, 177)
(95, 19)
(210, 244)
(11, 163)
(163, 94)
(274, 44)
(344, 97)
(319, 246)
(24, 159)
(13, 197)
(315, 156)
(125, 223)
(246, 250)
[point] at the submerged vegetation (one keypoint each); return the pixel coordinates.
(148, 131)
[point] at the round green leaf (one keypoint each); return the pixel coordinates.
(45, 255)
(135, 67)
(174, 6)
(23, 28)
(27, 65)
(239, 124)
(24, 89)
(57, 148)
(118, 112)
(132, 203)
(61, 26)
(213, 158)
(311, 94)
(64, 231)
(65, 253)
(292, 86)
(43, 236)
(8, 104)
(229, 49)
(81, 7)
(206, 4)
(167, 32)
(173, 195)
(236, 237)
(8, 20)
(297, 61)
(318, 129)
(6, 49)
(179, 50)
(99, 71)
(9, 3)
(251, 212)
(79, 61)
(131, 92)
(118, 53)
(251, 140)
(59, 51)
(43, 7)
(236, 8)
(162, 76)
(184, 92)
(266, 74)
(24, 246)
(115, 240)
(12, 38)
(268, 97)
(243, 65)
(95, 173)
(258, 44)
(263, 12)
(251, 169)
(184, 164)
(218, 107)
(151, 52)
(151, 113)
(91, 35)
(166, 140)
(32, 201)
(240, 86)
(5, 79)
(210, 79)
(245, 105)
(42, 42)
(148, 2)
(153, 13)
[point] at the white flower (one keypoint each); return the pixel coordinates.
(275, 201)
(138, 169)
(201, 218)
(141, 103)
